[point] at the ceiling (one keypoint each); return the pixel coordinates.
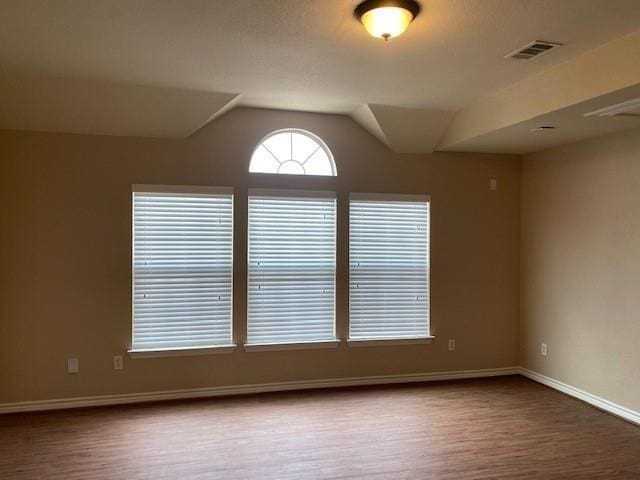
(571, 125)
(291, 54)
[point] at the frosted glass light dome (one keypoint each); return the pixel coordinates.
(387, 18)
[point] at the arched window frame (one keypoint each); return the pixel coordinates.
(315, 138)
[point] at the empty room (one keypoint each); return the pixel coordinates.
(320, 239)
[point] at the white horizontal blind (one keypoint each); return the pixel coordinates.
(182, 267)
(292, 261)
(388, 266)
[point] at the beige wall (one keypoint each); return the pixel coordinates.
(580, 266)
(65, 238)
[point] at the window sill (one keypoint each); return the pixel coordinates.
(180, 352)
(387, 342)
(269, 347)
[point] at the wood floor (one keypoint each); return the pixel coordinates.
(501, 428)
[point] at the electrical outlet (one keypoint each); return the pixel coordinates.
(452, 344)
(543, 349)
(117, 362)
(73, 366)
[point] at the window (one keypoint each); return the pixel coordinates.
(182, 267)
(292, 261)
(388, 267)
(292, 151)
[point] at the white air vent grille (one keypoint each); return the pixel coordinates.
(533, 49)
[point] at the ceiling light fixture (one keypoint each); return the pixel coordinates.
(387, 18)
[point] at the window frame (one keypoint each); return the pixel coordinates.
(296, 344)
(392, 340)
(153, 352)
(338, 281)
(321, 143)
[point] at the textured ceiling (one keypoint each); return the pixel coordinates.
(292, 54)
(89, 107)
(305, 54)
(558, 96)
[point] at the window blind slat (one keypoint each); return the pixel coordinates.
(388, 267)
(182, 269)
(291, 273)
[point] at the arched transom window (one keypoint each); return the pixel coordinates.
(294, 152)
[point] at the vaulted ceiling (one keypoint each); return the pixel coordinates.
(162, 68)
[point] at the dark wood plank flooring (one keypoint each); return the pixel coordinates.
(499, 428)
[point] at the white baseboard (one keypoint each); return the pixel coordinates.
(78, 402)
(598, 402)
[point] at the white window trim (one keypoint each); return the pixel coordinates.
(307, 133)
(364, 342)
(184, 351)
(387, 342)
(276, 192)
(291, 193)
(194, 189)
(397, 197)
(180, 352)
(270, 347)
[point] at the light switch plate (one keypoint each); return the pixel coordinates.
(117, 362)
(543, 349)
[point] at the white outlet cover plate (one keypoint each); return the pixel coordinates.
(73, 366)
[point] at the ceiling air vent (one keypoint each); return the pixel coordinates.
(533, 49)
